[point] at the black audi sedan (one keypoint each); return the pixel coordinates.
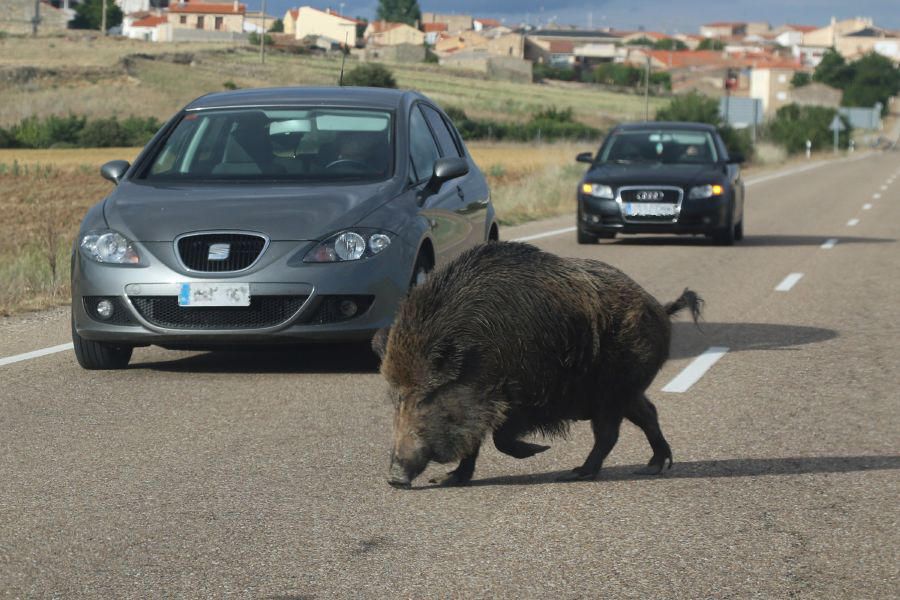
(660, 177)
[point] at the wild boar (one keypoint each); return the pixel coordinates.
(510, 340)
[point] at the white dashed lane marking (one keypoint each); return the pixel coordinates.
(852, 222)
(788, 282)
(829, 244)
(867, 206)
(694, 371)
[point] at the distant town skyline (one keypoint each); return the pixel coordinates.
(657, 15)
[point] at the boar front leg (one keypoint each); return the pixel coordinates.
(506, 441)
(462, 474)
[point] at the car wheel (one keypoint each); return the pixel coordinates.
(724, 237)
(739, 231)
(586, 238)
(420, 270)
(96, 356)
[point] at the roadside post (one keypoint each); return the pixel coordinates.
(808, 149)
(852, 146)
(837, 126)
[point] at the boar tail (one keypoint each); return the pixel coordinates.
(687, 299)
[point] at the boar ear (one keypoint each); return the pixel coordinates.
(447, 360)
(379, 342)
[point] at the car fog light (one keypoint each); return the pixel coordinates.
(104, 309)
(595, 219)
(378, 242)
(348, 308)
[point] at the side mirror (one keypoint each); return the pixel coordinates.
(585, 157)
(445, 169)
(736, 158)
(114, 170)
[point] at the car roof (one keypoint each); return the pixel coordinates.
(289, 96)
(654, 125)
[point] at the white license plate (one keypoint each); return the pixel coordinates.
(214, 294)
(649, 209)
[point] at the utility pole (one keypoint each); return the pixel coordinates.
(36, 19)
(262, 37)
(647, 91)
(103, 18)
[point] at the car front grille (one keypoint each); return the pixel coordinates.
(651, 194)
(264, 311)
(220, 252)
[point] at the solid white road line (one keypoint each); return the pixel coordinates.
(876, 196)
(829, 244)
(28, 355)
(867, 206)
(788, 282)
(694, 371)
(538, 236)
(852, 222)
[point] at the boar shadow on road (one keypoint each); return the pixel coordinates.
(732, 467)
(688, 341)
(322, 358)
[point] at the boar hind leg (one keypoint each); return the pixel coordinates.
(643, 414)
(606, 434)
(462, 474)
(505, 440)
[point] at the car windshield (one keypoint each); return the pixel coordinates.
(672, 146)
(277, 145)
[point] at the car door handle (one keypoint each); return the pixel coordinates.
(460, 193)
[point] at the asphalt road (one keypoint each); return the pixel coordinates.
(262, 474)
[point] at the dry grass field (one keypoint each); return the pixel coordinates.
(88, 75)
(45, 193)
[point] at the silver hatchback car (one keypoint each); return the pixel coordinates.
(274, 215)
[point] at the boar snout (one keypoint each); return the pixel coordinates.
(397, 476)
(404, 470)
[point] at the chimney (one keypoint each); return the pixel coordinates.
(236, 6)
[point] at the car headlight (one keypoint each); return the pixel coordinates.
(597, 190)
(349, 245)
(109, 246)
(700, 192)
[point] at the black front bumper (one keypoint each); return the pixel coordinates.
(597, 215)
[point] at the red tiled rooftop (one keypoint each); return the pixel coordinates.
(429, 27)
(150, 22)
(217, 9)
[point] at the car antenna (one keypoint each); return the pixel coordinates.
(343, 58)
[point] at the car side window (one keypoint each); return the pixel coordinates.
(422, 150)
(441, 132)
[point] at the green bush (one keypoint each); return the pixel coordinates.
(618, 74)
(229, 85)
(794, 124)
(711, 44)
(541, 71)
(36, 133)
(78, 132)
(277, 26)
(253, 39)
(875, 79)
(547, 124)
(89, 15)
(697, 108)
(370, 75)
(800, 79)
(7, 139)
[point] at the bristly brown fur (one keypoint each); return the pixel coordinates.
(512, 340)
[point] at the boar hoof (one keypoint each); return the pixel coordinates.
(655, 466)
(451, 479)
(400, 485)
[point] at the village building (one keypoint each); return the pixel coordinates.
(455, 23)
(307, 21)
(386, 33)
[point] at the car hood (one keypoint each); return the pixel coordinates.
(160, 213)
(654, 174)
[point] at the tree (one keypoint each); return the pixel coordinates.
(371, 75)
(833, 70)
(711, 44)
(875, 79)
(692, 106)
(89, 14)
(399, 11)
(800, 79)
(277, 26)
(669, 44)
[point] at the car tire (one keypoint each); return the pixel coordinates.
(586, 238)
(421, 269)
(100, 356)
(739, 231)
(724, 237)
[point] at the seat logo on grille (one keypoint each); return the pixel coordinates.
(651, 195)
(219, 251)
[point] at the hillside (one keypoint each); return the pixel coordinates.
(89, 75)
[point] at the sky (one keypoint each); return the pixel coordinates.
(670, 16)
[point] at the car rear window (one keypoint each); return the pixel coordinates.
(674, 146)
(283, 144)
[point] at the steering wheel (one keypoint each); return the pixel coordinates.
(341, 162)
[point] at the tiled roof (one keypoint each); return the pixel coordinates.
(429, 27)
(489, 22)
(382, 26)
(562, 47)
(217, 9)
(150, 22)
(803, 28)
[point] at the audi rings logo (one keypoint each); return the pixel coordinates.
(649, 195)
